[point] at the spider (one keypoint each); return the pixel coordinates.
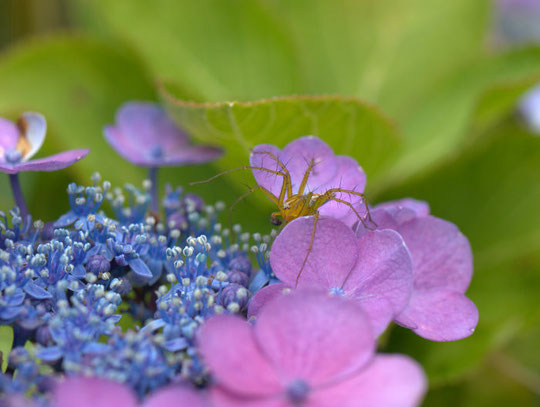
(294, 205)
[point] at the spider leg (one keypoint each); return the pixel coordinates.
(287, 178)
(245, 167)
(250, 191)
(305, 177)
(354, 210)
(315, 219)
(360, 194)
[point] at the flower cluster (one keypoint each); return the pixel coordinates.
(131, 300)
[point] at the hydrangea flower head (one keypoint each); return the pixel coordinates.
(21, 141)
(374, 270)
(442, 269)
(307, 349)
(144, 135)
(329, 171)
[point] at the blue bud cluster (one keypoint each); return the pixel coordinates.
(121, 297)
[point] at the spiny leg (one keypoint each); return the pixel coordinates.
(245, 167)
(360, 194)
(250, 191)
(305, 177)
(284, 169)
(315, 219)
(352, 207)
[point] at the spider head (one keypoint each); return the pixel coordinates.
(275, 219)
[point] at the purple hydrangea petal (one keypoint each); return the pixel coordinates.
(123, 146)
(191, 155)
(297, 155)
(66, 219)
(146, 136)
(263, 296)
(35, 127)
(50, 354)
(420, 208)
(350, 176)
(221, 397)
(314, 337)
(176, 397)
(247, 371)
(389, 381)
(16, 400)
(441, 254)
(92, 392)
(323, 269)
(51, 163)
(529, 107)
(259, 157)
(440, 315)
(35, 291)
(140, 122)
(140, 268)
(9, 134)
(176, 344)
(382, 279)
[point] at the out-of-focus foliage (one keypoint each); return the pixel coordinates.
(427, 65)
(6, 339)
(353, 127)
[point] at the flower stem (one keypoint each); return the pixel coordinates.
(153, 176)
(18, 195)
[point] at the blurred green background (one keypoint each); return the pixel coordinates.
(421, 92)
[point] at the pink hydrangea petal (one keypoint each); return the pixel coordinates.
(93, 392)
(222, 398)
(17, 401)
(51, 163)
(196, 154)
(36, 128)
(259, 157)
(298, 154)
(117, 140)
(440, 315)
(350, 176)
(314, 337)
(144, 123)
(382, 279)
(323, 269)
(176, 397)
(420, 208)
(389, 381)
(243, 369)
(263, 296)
(441, 254)
(142, 127)
(9, 134)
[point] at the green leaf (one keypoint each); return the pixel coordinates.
(350, 126)
(6, 341)
(78, 83)
(250, 49)
(443, 123)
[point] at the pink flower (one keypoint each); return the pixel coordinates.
(329, 171)
(374, 270)
(306, 349)
(20, 142)
(144, 135)
(94, 392)
(442, 269)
